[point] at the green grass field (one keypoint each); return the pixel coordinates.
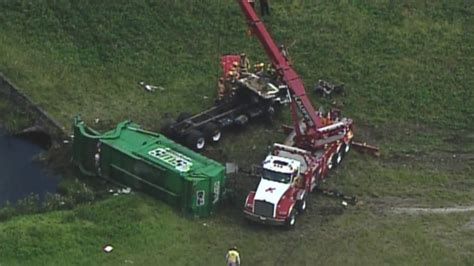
(408, 69)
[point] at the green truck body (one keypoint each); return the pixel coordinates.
(150, 162)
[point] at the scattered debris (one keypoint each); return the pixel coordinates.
(119, 191)
(324, 88)
(364, 147)
(352, 200)
(231, 168)
(97, 120)
(150, 88)
(108, 248)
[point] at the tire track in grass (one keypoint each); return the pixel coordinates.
(418, 210)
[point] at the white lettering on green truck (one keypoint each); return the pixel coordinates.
(179, 161)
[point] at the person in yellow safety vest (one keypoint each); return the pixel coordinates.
(233, 257)
(244, 63)
(235, 67)
(271, 71)
(259, 69)
(235, 73)
(220, 89)
(232, 76)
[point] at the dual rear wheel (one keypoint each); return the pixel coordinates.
(197, 139)
(337, 157)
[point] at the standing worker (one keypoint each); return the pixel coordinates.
(220, 89)
(233, 257)
(264, 7)
(244, 63)
(252, 3)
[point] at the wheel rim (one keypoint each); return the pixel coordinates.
(216, 136)
(303, 205)
(339, 158)
(348, 147)
(292, 220)
(200, 143)
(330, 163)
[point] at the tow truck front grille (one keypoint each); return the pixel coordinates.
(263, 208)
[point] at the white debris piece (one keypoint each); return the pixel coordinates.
(150, 88)
(107, 248)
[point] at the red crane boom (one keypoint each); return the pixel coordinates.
(313, 126)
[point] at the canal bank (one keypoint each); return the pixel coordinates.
(20, 174)
(45, 177)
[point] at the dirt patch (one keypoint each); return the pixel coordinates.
(447, 161)
(410, 206)
(417, 210)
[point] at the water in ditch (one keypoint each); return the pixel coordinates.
(20, 175)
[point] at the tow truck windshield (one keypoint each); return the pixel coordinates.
(276, 176)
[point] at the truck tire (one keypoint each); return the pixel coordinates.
(302, 204)
(183, 116)
(195, 140)
(241, 120)
(346, 147)
(167, 128)
(212, 132)
(269, 115)
(338, 157)
(330, 163)
(291, 221)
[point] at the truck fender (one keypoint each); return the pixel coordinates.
(249, 199)
(291, 208)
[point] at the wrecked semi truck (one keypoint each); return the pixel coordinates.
(143, 160)
(247, 98)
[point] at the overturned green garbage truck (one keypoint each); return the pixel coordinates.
(150, 162)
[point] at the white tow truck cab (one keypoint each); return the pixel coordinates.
(289, 174)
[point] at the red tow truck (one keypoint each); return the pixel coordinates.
(318, 143)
